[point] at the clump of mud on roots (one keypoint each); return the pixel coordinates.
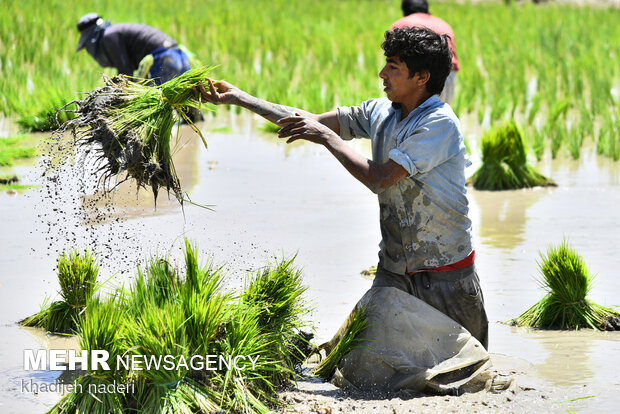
(130, 125)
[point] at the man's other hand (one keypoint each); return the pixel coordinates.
(301, 127)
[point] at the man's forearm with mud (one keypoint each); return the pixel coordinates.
(270, 111)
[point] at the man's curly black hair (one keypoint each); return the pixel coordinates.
(422, 50)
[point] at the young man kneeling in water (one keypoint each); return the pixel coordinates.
(417, 171)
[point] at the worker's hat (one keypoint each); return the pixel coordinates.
(86, 25)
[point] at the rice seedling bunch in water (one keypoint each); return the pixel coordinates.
(504, 161)
(252, 388)
(349, 340)
(157, 284)
(176, 316)
(131, 123)
(277, 294)
(101, 328)
(567, 281)
(77, 275)
(203, 301)
(168, 312)
(162, 331)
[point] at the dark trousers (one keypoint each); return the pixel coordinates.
(455, 293)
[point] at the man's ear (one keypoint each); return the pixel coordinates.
(424, 77)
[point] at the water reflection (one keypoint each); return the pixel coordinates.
(611, 167)
(568, 355)
(503, 215)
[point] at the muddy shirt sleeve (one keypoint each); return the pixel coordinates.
(434, 140)
(355, 121)
(117, 52)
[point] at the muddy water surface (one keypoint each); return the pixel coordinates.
(269, 200)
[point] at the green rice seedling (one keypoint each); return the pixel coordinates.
(158, 332)
(567, 281)
(586, 122)
(349, 340)
(202, 301)
(533, 110)
(538, 143)
(77, 275)
(556, 129)
(49, 117)
(100, 329)
(276, 292)
(558, 135)
(504, 161)
(499, 107)
(574, 141)
(132, 123)
(248, 389)
(608, 142)
(159, 284)
(12, 149)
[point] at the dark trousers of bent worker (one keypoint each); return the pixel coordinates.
(455, 293)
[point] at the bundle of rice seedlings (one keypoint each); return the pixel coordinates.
(349, 340)
(157, 332)
(100, 329)
(276, 292)
(77, 275)
(131, 123)
(567, 281)
(504, 162)
(203, 302)
(252, 388)
(168, 313)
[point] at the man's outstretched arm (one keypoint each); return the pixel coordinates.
(224, 93)
(322, 129)
(377, 177)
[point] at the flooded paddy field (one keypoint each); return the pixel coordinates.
(270, 200)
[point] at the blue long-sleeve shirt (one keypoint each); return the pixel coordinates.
(423, 217)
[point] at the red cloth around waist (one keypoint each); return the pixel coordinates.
(461, 264)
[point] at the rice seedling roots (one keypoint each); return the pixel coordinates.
(611, 323)
(120, 151)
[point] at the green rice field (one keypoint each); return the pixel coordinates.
(551, 67)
